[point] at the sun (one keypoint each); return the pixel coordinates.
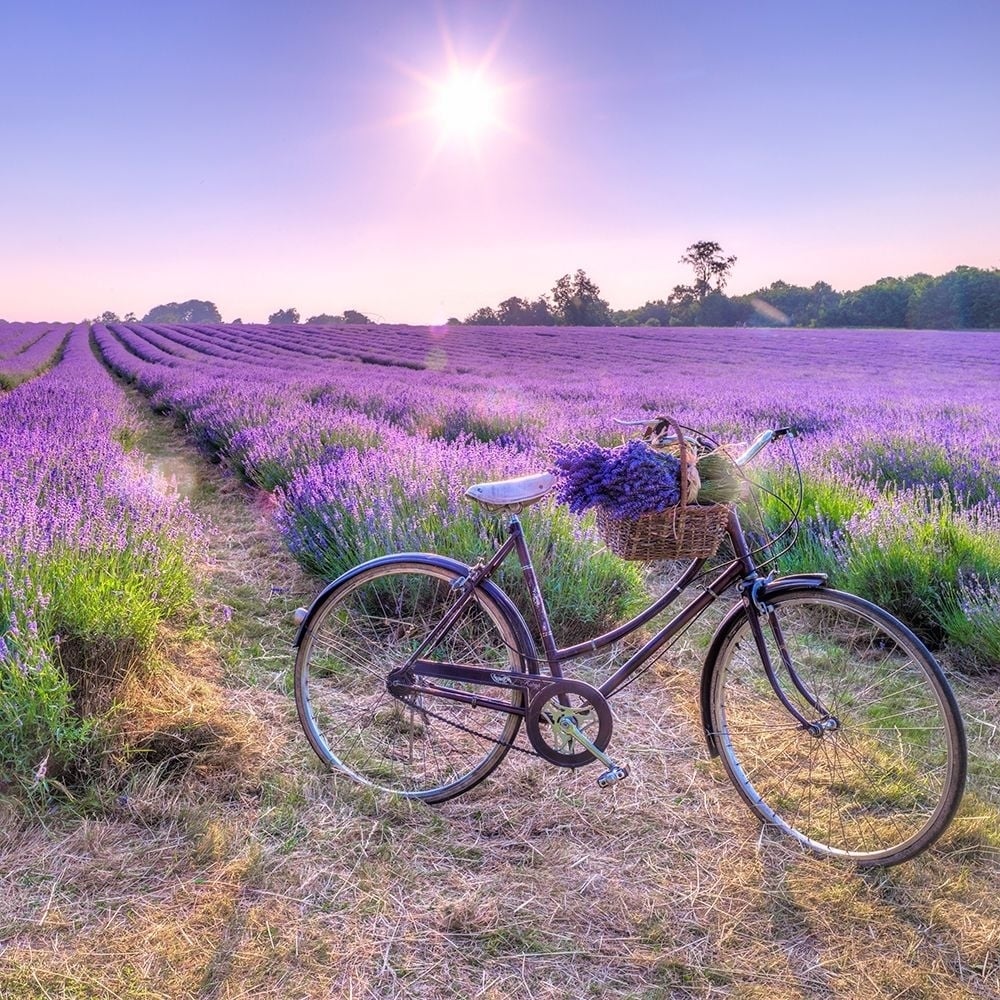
(463, 107)
(466, 105)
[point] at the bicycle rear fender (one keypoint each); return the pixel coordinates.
(431, 559)
(782, 585)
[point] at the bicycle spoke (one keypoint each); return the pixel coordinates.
(421, 745)
(881, 775)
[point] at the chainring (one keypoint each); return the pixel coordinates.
(574, 700)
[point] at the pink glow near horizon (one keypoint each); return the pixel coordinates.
(325, 183)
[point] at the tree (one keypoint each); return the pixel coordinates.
(129, 317)
(781, 304)
(283, 316)
(324, 319)
(353, 316)
(108, 317)
(964, 298)
(884, 304)
(655, 313)
(539, 313)
(192, 311)
(709, 263)
(577, 302)
(484, 316)
(823, 303)
(512, 312)
(516, 311)
(683, 304)
(720, 310)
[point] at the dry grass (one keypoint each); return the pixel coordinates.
(246, 872)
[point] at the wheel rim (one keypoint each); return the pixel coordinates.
(880, 780)
(366, 628)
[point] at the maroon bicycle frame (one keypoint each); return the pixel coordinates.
(740, 571)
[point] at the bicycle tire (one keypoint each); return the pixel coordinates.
(885, 783)
(370, 622)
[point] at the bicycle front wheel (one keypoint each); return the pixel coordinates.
(878, 776)
(423, 747)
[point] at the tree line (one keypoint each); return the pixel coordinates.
(205, 311)
(966, 298)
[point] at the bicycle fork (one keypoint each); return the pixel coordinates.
(757, 607)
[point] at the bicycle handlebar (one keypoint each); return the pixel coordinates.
(762, 441)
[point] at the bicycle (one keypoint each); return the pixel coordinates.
(414, 673)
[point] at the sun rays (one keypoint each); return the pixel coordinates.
(465, 107)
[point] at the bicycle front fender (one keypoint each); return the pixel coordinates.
(782, 585)
(492, 591)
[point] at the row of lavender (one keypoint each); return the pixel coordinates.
(365, 465)
(840, 387)
(369, 435)
(92, 558)
(581, 352)
(26, 349)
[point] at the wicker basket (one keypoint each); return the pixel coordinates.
(687, 531)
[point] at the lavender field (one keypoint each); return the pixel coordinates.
(27, 349)
(166, 832)
(367, 437)
(92, 556)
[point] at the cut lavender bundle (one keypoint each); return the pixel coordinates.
(627, 481)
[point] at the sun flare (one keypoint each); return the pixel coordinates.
(462, 108)
(466, 105)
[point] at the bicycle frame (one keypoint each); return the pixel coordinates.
(741, 572)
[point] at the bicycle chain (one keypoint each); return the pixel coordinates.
(469, 730)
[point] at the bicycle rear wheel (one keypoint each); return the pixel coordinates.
(423, 747)
(882, 773)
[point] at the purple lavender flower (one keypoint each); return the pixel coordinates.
(627, 481)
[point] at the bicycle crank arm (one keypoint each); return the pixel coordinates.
(615, 772)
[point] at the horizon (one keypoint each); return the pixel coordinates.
(415, 161)
(765, 311)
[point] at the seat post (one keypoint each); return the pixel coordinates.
(535, 592)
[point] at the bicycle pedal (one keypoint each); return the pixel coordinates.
(613, 775)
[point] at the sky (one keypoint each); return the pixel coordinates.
(315, 155)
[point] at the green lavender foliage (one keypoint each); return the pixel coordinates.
(932, 565)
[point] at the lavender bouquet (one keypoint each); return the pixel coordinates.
(627, 481)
